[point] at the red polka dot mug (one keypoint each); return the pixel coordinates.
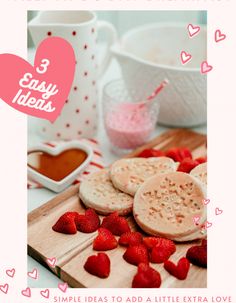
(79, 115)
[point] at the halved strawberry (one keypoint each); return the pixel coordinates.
(150, 152)
(151, 242)
(105, 240)
(159, 254)
(187, 165)
(116, 224)
(98, 265)
(180, 271)
(178, 154)
(136, 254)
(130, 238)
(197, 254)
(146, 277)
(201, 160)
(66, 223)
(89, 222)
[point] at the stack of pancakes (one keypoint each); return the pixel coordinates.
(164, 202)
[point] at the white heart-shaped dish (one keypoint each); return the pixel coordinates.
(58, 186)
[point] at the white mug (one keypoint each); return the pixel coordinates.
(80, 28)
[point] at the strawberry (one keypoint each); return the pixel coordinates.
(147, 153)
(201, 160)
(150, 242)
(197, 255)
(66, 223)
(98, 265)
(180, 271)
(187, 165)
(178, 154)
(89, 222)
(105, 240)
(130, 238)
(136, 254)
(116, 224)
(159, 254)
(146, 277)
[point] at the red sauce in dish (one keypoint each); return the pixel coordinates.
(56, 167)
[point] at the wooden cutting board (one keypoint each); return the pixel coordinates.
(71, 251)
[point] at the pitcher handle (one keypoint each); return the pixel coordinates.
(112, 37)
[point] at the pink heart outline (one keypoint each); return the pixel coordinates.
(218, 211)
(185, 57)
(206, 201)
(33, 274)
(207, 224)
(219, 36)
(26, 292)
(11, 272)
(205, 67)
(63, 286)
(51, 261)
(4, 288)
(46, 97)
(193, 30)
(196, 220)
(45, 293)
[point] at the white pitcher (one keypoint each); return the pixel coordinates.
(80, 28)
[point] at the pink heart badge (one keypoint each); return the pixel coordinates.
(33, 274)
(4, 288)
(218, 211)
(51, 261)
(185, 57)
(193, 30)
(11, 272)
(40, 90)
(205, 67)
(219, 36)
(26, 292)
(63, 286)
(45, 293)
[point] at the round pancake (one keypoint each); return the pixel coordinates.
(128, 174)
(200, 172)
(166, 204)
(193, 236)
(97, 192)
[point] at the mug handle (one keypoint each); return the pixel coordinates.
(108, 28)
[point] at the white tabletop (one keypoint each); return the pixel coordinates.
(37, 197)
